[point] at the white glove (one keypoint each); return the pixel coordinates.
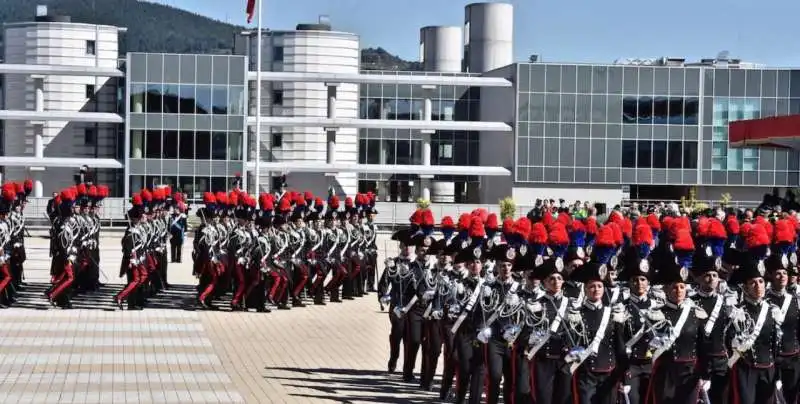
(654, 315)
(428, 295)
(512, 299)
(460, 288)
(484, 335)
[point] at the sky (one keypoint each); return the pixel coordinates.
(559, 31)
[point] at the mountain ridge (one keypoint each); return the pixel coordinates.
(186, 32)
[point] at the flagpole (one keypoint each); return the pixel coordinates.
(257, 174)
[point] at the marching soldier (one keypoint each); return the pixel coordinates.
(8, 195)
(177, 228)
(756, 326)
(133, 260)
(780, 265)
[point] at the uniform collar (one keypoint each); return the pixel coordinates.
(777, 293)
(672, 305)
(556, 296)
(593, 305)
(702, 293)
(639, 299)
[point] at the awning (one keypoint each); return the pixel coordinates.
(778, 131)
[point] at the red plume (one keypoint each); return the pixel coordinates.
(547, 219)
(716, 229)
(284, 206)
(348, 202)
(605, 236)
(447, 223)
(481, 213)
(18, 188)
(9, 192)
(464, 221)
(619, 238)
(558, 234)
(265, 201)
(491, 222)
(538, 234)
(577, 226)
(209, 198)
(318, 202)
(333, 203)
(508, 225)
(93, 192)
(784, 231)
(766, 224)
(652, 221)
(427, 218)
(416, 218)
(702, 226)
(136, 200)
(564, 218)
(308, 195)
(28, 186)
(523, 227)
(642, 233)
(147, 196)
(683, 240)
(476, 229)
(81, 189)
(732, 224)
(233, 199)
(591, 225)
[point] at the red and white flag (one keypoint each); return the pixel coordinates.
(251, 7)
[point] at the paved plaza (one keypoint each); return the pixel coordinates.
(172, 353)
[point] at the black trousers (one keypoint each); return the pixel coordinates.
(673, 382)
(395, 336)
(595, 388)
(788, 372)
(412, 342)
(470, 366)
(176, 250)
(449, 356)
(637, 377)
(551, 381)
(431, 350)
(751, 385)
(718, 374)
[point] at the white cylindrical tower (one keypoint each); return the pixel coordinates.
(311, 48)
(440, 49)
(54, 40)
(488, 36)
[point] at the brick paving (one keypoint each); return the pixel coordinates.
(173, 354)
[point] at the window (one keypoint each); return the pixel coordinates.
(91, 47)
(277, 97)
(277, 53)
(90, 137)
(629, 153)
(445, 151)
(170, 144)
(152, 145)
(644, 154)
(219, 145)
(219, 105)
(185, 145)
(277, 140)
(90, 91)
(662, 110)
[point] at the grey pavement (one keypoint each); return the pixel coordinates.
(172, 353)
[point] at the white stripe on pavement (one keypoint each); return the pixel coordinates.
(114, 378)
(39, 342)
(108, 359)
(104, 327)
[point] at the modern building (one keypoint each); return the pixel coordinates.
(473, 127)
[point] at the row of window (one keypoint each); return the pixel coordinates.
(609, 79)
(187, 99)
(187, 145)
(658, 154)
(660, 110)
(193, 187)
(405, 109)
(443, 152)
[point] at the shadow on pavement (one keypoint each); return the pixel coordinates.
(177, 297)
(351, 385)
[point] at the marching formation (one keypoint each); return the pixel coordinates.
(271, 252)
(13, 198)
(664, 307)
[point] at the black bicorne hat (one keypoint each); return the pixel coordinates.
(670, 271)
(503, 253)
(702, 263)
(590, 271)
(635, 266)
(471, 253)
(549, 267)
(749, 269)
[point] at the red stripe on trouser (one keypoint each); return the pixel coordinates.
(132, 285)
(319, 278)
(651, 388)
(337, 279)
(238, 273)
(575, 397)
(276, 284)
(532, 378)
(302, 281)
(253, 278)
(486, 376)
(5, 276)
(356, 269)
(64, 283)
(213, 270)
(284, 285)
(151, 262)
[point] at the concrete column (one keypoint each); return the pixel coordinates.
(330, 132)
(136, 183)
(137, 144)
(38, 85)
(38, 141)
(331, 153)
(427, 115)
(38, 188)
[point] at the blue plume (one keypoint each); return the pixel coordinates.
(717, 246)
(539, 249)
(759, 253)
(603, 254)
(644, 251)
(684, 259)
(578, 238)
(448, 233)
(560, 250)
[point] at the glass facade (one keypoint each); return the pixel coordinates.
(648, 125)
(404, 147)
(186, 120)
